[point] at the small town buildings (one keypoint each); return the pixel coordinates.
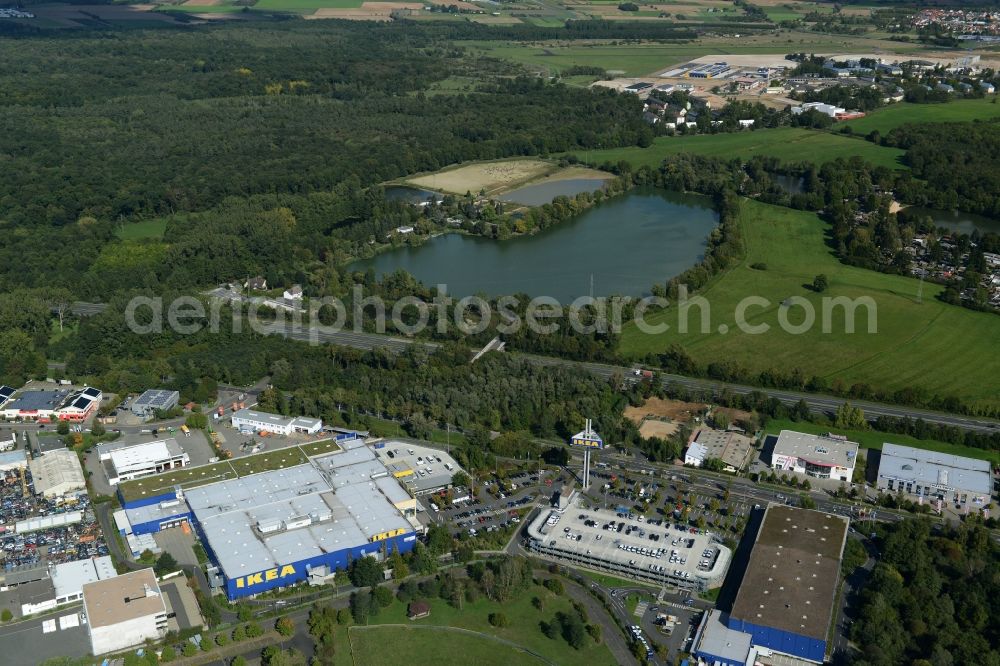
(944, 87)
(293, 293)
(987, 87)
(49, 405)
(127, 462)
(253, 421)
(65, 584)
(256, 284)
(820, 456)
(124, 611)
(153, 400)
(931, 475)
(731, 447)
(57, 473)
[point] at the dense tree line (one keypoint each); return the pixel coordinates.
(957, 164)
(931, 598)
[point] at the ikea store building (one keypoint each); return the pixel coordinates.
(285, 526)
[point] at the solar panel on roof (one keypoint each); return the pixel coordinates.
(92, 392)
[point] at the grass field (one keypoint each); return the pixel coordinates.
(908, 336)
(522, 630)
(192, 477)
(790, 144)
(645, 59)
(154, 228)
(895, 115)
(873, 439)
(430, 646)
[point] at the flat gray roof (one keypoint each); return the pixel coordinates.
(439, 476)
(718, 640)
(939, 470)
(732, 448)
(70, 577)
(340, 499)
(598, 543)
(817, 449)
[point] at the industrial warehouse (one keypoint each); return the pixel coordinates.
(124, 462)
(248, 420)
(659, 553)
(283, 526)
(786, 598)
(931, 475)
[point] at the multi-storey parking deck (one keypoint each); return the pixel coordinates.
(661, 553)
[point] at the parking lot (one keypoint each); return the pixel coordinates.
(54, 545)
(34, 641)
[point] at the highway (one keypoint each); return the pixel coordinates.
(816, 402)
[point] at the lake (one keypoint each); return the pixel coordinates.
(956, 220)
(627, 243)
(409, 194)
(543, 193)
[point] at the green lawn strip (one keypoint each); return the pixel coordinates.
(908, 333)
(430, 646)
(890, 117)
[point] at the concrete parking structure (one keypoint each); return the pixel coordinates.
(660, 553)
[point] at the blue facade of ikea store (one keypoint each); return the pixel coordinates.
(806, 647)
(296, 572)
(269, 579)
(181, 513)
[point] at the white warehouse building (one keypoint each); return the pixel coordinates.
(127, 462)
(250, 420)
(124, 611)
(820, 456)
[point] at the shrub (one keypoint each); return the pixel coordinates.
(498, 620)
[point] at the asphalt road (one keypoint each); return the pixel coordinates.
(816, 402)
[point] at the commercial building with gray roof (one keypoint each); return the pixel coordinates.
(152, 400)
(294, 524)
(933, 475)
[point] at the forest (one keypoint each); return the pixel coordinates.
(228, 124)
(932, 597)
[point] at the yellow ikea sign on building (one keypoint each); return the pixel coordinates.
(265, 576)
(388, 535)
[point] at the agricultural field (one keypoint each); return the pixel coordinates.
(893, 116)
(494, 177)
(873, 439)
(790, 144)
(790, 249)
